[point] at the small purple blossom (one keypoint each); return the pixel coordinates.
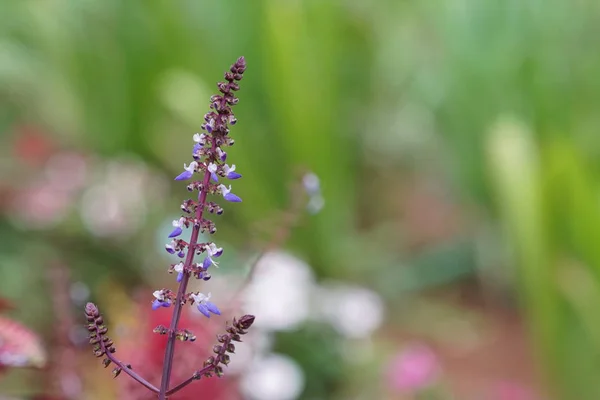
(212, 168)
(204, 305)
(209, 126)
(170, 247)
(178, 225)
(179, 269)
(222, 154)
(230, 172)
(188, 171)
(161, 300)
(200, 138)
(227, 195)
(196, 151)
(211, 251)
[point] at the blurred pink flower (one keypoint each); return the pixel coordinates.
(512, 391)
(413, 369)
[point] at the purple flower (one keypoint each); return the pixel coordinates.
(211, 251)
(204, 305)
(196, 151)
(230, 172)
(178, 225)
(212, 168)
(222, 154)
(188, 171)
(160, 300)
(200, 138)
(170, 247)
(179, 269)
(227, 195)
(209, 125)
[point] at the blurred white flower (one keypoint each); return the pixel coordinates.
(274, 377)
(353, 311)
(279, 294)
(117, 204)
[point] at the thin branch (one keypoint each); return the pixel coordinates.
(131, 373)
(170, 351)
(195, 376)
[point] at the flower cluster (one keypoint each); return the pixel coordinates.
(209, 163)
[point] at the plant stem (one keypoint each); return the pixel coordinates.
(170, 351)
(132, 374)
(190, 379)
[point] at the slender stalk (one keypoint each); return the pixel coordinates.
(132, 374)
(190, 379)
(170, 350)
(105, 345)
(208, 368)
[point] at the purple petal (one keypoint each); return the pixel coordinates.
(233, 175)
(170, 250)
(223, 156)
(212, 308)
(196, 149)
(179, 276)
(156, 304)
(204, 310)
(209, 127)
(232, 198)
(214, 177)
(181, 254)
(184, 176)
(176, 232)
(165, 303)
(206, 263)
(218, 253)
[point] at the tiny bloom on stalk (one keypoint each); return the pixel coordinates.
(178, 227)
(230, 172)
(227, 195)
(179, 269)
(200, 138)
(222, 154)
(204, 305)
(211, 251)
(160, 300)
(188, 173)
(212, 168)
(170, 247)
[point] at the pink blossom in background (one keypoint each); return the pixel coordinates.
(512, 391)
(413, 369)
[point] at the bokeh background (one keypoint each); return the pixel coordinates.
(457, 254)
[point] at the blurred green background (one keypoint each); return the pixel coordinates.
(456, 142)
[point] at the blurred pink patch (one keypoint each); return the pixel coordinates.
(415, 368)
(32, 145)
(513, 391)
(19, 346)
